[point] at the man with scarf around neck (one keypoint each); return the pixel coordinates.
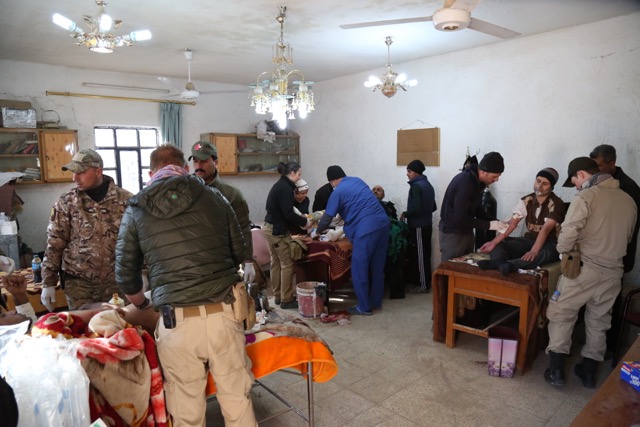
(543, 212)
(188, 236)
(81, 236)
(599, 223)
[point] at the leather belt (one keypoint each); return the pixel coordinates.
(194, 311)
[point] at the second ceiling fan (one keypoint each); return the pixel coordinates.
(453, 16)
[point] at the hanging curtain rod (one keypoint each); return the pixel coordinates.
(119, 98)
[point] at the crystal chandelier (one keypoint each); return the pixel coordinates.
(99, 38)
(274, 95)
(391, 81)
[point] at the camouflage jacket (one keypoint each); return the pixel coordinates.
(82, 234)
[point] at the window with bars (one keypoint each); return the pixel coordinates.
(126, 152)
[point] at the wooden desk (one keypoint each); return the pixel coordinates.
(33, 294)
(615, 403)
(528, 293)
(328, 262)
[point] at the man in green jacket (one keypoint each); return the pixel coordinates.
(189, 238)
(205, 165)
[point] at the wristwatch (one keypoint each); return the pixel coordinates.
(144, 304)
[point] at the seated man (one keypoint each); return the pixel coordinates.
(388, 206)
(543, 212)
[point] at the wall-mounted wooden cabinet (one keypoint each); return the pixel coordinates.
(39, 153)
(245, 154)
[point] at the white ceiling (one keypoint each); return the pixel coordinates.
(232, 39)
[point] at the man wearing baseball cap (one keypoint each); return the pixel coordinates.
(543, 212)
(205, 165)
(599, 224)
(81, 236)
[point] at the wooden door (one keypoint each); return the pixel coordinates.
(227, 150)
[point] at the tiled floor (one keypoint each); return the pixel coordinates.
(391, 373)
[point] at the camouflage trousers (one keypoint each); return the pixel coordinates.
(79, 291)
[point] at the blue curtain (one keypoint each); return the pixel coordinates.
(170, 124)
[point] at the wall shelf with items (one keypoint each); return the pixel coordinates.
(245, 154)
(38, 153)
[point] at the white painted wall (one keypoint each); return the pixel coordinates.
(540, 101)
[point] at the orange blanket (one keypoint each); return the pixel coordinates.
(287, 342)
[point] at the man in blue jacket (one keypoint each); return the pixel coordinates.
(420, 207)
(367, 227)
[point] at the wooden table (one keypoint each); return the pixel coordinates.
(33, 294)
(526, 292)
(615, 403)
(328, 262)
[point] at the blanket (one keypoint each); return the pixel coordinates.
(121, 363)
(286, 341)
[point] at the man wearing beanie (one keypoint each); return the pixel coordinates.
(420, 207)
(599, 223)
(322, 194)
(366, 225)
(543, 212)
(461, 210)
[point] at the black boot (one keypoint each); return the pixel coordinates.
(554, 375)
(587, 372)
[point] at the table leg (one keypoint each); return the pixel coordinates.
(523, 331)
(452, 307)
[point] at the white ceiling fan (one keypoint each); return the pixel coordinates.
(455, 15)
(189, 91)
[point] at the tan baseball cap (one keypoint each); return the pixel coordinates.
(83, 160)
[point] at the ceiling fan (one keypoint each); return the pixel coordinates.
(189, 91)
(455, 15)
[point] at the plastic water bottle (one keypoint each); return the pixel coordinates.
(36, 266)
(555, 296)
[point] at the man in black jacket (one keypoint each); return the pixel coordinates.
(189, 238)
(461, 209)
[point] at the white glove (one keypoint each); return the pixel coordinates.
(499, 226)
(249, 273)
(308, 224)
(48, 298)
(7, 264)
(313, 234)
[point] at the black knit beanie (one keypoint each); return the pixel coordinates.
(335, 172)
(551, 174)
(417, 166)
(492, 162)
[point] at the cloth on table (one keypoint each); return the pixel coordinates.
(286, 341)
(337, 255)
(122, 366)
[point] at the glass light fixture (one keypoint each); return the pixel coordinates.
(100, 37)
(273, 95)
(391, 81)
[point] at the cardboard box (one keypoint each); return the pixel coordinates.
(630, 373)
(17, 118)
(503, 350)
(18, 105)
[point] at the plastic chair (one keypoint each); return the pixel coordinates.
(633, 318)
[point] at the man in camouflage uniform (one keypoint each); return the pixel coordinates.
(205, 162)
(82, 233)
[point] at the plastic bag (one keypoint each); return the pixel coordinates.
(49, 383)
